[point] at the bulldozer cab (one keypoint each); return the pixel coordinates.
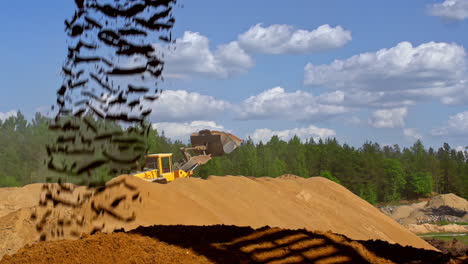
(161, 162)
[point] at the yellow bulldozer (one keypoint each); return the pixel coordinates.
(205, 145)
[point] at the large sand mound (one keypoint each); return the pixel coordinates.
(286, 202)
(222, 244)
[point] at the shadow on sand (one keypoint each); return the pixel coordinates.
(233, 244)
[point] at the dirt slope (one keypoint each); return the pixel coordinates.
(286, 202)
(222, 244)
(13, 199)
(315, 203)
(15, 227)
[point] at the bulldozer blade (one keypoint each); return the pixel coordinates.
(194, 162)
(217, 143)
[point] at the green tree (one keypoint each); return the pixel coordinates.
(421, 183)
(368, 192)
(375, 173)
(278, 167)
(395, 182)
(296, 158)
(248, 158)
(328, 175)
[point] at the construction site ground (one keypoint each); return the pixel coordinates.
(228, 219)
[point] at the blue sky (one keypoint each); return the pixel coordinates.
(386, 71)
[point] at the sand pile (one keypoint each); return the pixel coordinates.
(223, 244)
(128, 202)
(13, 199)
(448, 200)
(15, 227)
(18, 205)
(430, 228)
(444, 207)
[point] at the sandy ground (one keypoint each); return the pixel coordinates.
(13, 199)
(430, 228)
(128, 202)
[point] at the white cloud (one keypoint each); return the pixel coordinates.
(457, 125)
(335, 97)
(265, 134)
(276, 103)
(180, 105)
(191, 55)
(460, 148)
(280, 39)
(412, 134)
(353, 120)
(380, 99)
(450, 9)
(398, 76)
(6, 115)
(459, 96)
(389, 118)
(182, 131)
(233, 58)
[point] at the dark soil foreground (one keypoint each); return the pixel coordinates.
(223, 244)
(453, 247)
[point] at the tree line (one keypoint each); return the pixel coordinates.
(375, 173)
